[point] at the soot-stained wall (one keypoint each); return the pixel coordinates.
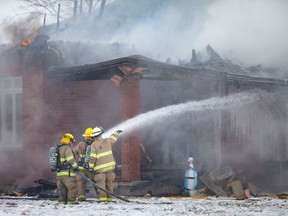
(72, 106)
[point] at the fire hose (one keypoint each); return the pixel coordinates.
(103, 189)
(100, 188)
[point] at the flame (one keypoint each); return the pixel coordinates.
(26, 42)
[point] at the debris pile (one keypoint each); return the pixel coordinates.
(226, 182)
(44, 190)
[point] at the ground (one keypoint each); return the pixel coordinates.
(149, 206)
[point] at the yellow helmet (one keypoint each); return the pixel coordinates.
(67, 139)
(88, 132)
(97, 131)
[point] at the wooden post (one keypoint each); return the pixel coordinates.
(90, 7)
(75, 11)
(58, 17)
(101, 10)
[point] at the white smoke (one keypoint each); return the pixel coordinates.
(251, 32)
(254, 32)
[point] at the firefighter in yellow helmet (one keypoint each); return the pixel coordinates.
(80, 150)
(102, 162)
(66, 175)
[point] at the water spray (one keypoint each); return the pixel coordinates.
(173, 111)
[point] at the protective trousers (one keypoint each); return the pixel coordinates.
(105, 180)
(67, 189)
(81, 184)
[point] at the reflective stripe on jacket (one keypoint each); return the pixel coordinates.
(101, 157)
(67, 161)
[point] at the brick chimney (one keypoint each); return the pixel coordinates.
(130, 104)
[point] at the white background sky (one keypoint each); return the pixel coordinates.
(8, 8)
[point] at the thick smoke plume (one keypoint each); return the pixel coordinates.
(247, 32)
(16, 30)
(252, 32)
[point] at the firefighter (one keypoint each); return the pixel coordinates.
(66, 175)
(102, 162)
(80, 150)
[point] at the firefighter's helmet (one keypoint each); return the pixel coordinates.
(67, 139)
(88, 132)
(97, 131)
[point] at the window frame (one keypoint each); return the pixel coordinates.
(14, 90)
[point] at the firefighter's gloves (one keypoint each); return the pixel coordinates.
(55, 170)
(119, 131)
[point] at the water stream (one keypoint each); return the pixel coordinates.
(174, 111)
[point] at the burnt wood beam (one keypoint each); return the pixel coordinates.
(155, 70)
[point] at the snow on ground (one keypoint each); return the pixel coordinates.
(148, 207)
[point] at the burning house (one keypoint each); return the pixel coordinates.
(41, 102)
(217, 112)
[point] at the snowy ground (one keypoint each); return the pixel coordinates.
(150, 206)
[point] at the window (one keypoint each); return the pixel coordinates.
(10, 111)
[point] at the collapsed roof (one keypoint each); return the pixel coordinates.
(215, 68)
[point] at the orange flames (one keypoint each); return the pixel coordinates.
(24, 43)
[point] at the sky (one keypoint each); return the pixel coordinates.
(8, 9)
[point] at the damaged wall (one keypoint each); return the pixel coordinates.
(249, 138)
(25, 140)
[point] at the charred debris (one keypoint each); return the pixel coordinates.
(223, 182)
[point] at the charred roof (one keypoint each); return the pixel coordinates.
(156, 70)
